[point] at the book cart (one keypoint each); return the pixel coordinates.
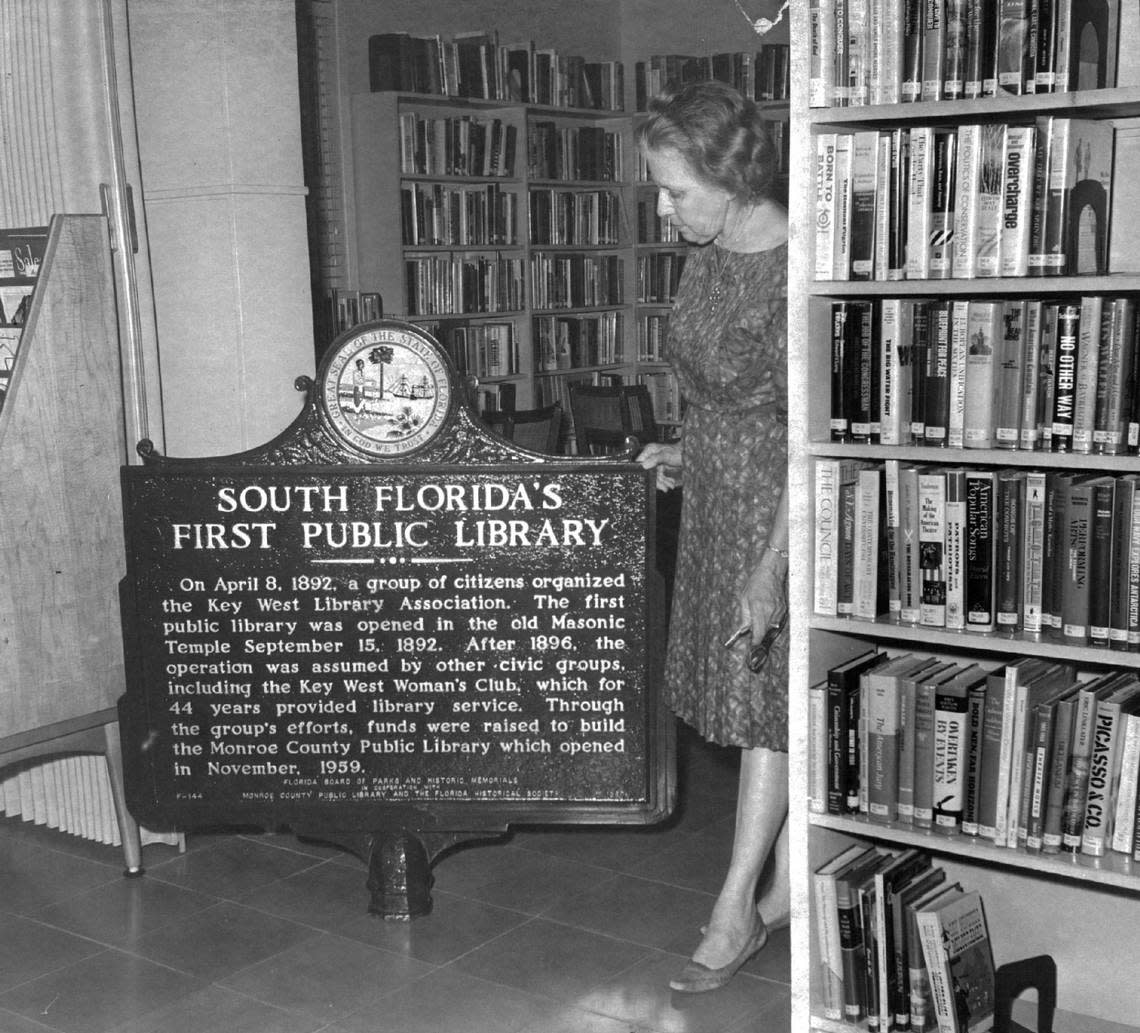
(1083, 911)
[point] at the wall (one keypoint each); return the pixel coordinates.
(218, 120)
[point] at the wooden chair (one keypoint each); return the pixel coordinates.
(536, 429)
(606, 417)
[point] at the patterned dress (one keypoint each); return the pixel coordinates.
(728, 345)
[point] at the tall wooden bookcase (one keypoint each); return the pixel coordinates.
(1085, 914)
(379, 252)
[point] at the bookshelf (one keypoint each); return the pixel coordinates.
(1069, 906)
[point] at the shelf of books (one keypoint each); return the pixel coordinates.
(966, 701)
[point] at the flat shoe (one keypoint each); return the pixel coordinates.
(696, 978)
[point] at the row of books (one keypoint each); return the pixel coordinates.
(762, 75)
(463, 145)
(966, 201)
(476, 65)
(345, 308)
(1026, 756)
(902, 945)
(467, 283)
(576, 281)
(1015, 551)
(484, 348)
(1021, 374)
(577, 153)
(575, 217)
(652, 331)
(569, 342)
(929, 50)
(651, 228)
(463, 216)
(658, 276)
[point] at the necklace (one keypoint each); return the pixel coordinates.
(719, 266)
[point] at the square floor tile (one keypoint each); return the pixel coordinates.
(327, 977)
(99, 993)
(217, 1010)
(649, 913)
(120, 912)
(33, 877)
(222, 940)
(31, 949)
(642, 996)
(326, 896)
(547, 958)
(447, 1001)
(454, 927)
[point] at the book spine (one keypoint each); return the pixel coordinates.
(1033, 552)
(912, 37)
(863, 373)
(817, 749)
(825, 201)
(933, 49)
(910, 570)
(868, 545)
(1100, 563)
(985, 336)
(893, 535)
(822, 46)
(924, 754)
(1057, 205)
(1043, 142)
(831, 978)
(1047, 379)
(1013, 45)
(967, 173)
(882, 747)
(919, 361)
(931, 546)
(1077, 783)
(852, 949)
(1059, 755)
(883, 213)
(1041, 742)
(936, 407)
(959, 355)
(1115, 378)
(1097, 831)
(1065, 376)
(955, 551)
(1085, 386)
(894, 373)
(975, 723)
(904, 796)
(841, 257)
(991, 754)
(981, 543)
(841, 366)
(899, 193)
(1075, 585)
(1017, 199)
(1123, 822)
(920, 202)
(1009, 374)
(942, 200)
(858, 52)
(857, 747)
(864, 189)
(826, 536)
(1007, 568)
(845, 568)
(1029, 435)
(951, 739)
(954, 63)
(938, 971)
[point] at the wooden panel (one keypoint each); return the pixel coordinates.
(61, 446)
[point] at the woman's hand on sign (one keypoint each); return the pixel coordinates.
(667, 459)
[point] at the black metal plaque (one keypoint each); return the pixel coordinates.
(337, 632)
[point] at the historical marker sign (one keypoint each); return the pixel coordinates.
(390, 617)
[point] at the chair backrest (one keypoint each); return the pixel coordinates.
(605, 416)
(536, 429)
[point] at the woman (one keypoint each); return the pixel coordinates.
(714, 166)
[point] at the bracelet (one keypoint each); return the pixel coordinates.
(779, 552)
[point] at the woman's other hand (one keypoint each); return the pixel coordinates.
(765, 598)
(667, 459)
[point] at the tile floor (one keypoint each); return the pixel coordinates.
(554, 930)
